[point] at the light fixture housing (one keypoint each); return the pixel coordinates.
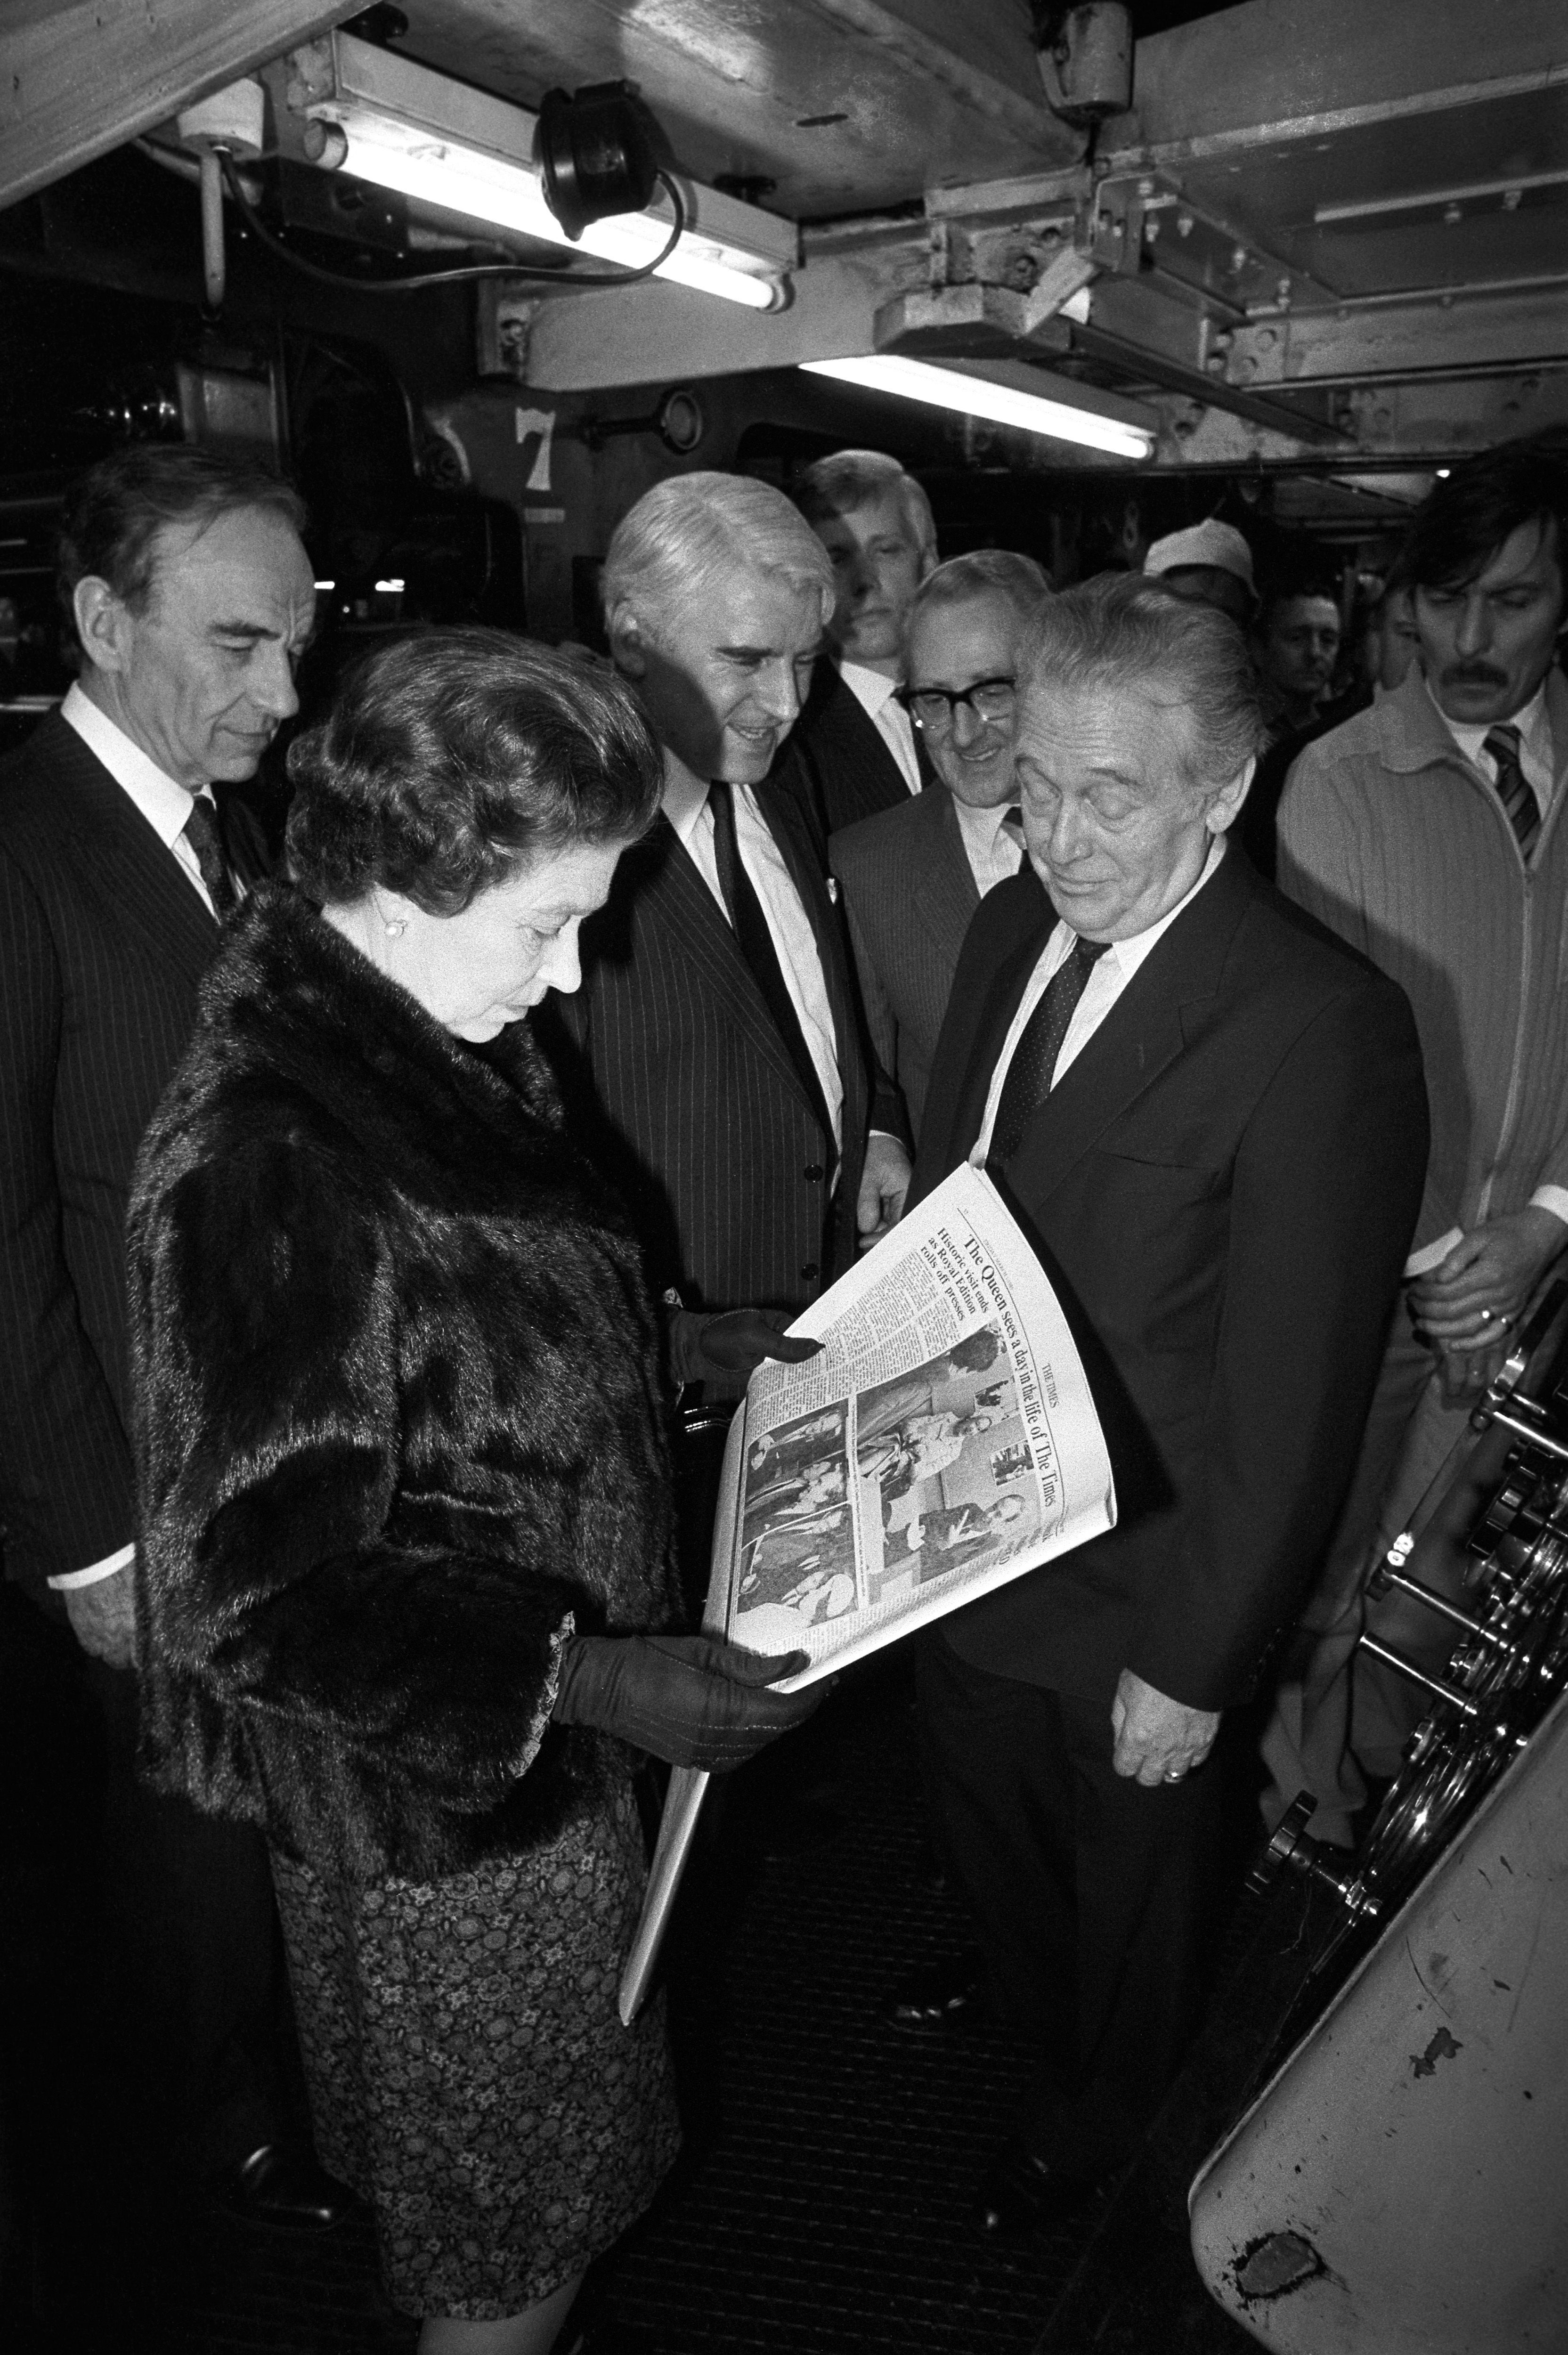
(594, 148)
(1005, 392)
(404, 127)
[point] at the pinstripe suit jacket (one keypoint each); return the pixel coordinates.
(909, 894)
(102, 942)
(675, 1079)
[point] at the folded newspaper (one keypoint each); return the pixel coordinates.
(942, 1442)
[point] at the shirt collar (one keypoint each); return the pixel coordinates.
(1130, 953)
(982, 825)
(870, 688)
(684, 797)
(1531, 720)
(164, 805)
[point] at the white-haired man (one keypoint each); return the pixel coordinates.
(854, 751)
(913, 877)
(1210, 1116)
(713, 1045)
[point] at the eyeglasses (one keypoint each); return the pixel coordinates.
(935, 708)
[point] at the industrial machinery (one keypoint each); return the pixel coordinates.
(1403, 2180)
(1510, 1656)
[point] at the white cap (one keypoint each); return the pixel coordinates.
(1217, 544)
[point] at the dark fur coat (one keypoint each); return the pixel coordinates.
(398, 1419)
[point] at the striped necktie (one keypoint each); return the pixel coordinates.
(1513, 790)
(1032, 1071)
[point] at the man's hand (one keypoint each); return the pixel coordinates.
(1486, 1280)
(1464, 1374)
(103, 1617)
(1157, 1740)
(737, 1342)
(884, 1182)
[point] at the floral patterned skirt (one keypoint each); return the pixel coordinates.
(469, 2075)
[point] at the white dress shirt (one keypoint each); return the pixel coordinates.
(1536, 752)
(686, 806)
(165, 807)
(1108, 978)
(878, 699)
(164, 804)
(994, 851)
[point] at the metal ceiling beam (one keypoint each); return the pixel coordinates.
(1404, 339)
(1252, 77)
(80, 77)
(1022, 112)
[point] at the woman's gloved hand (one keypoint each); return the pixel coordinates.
(693, 1700)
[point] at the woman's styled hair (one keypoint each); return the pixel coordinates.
(451, 758)
(692, 529)
(1125, 633)
(836, 485)
(110, 523)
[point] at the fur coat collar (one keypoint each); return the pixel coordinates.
(399, 1417)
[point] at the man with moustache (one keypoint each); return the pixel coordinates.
(854, 751)
(1209, 1115)
(1429, 832)
(914, 876)
(191, 598)
(713, 1048)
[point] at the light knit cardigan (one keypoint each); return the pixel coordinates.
(1388, 835)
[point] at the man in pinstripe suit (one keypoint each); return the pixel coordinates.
(718, 1044)
(191, 595)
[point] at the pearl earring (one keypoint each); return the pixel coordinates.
(394, 926)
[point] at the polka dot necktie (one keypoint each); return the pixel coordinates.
(201, 830)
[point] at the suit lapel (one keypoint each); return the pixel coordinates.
(137, 879)
(1145, 1030)
(946, 894)
(682, 903)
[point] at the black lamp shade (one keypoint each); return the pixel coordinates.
(595, 154)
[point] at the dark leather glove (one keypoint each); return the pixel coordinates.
(693, 1700)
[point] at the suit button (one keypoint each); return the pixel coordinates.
(811, 1271)
(814, 1173)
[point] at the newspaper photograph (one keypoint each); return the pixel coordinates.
(944, 1440)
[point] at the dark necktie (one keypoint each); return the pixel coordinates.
(1033, 1067)
(1514, 792)
(756, 942)
(200, 831)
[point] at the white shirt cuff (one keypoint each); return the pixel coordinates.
(95, 1569)
(1431, 1255)
(1553, 1198)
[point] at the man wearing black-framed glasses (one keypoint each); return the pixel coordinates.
(914, 876)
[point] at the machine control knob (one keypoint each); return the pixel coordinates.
(1289, 1849)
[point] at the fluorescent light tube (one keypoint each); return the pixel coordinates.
(975, 396)
(418, 161)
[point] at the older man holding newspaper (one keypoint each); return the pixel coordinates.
(1210, 1116)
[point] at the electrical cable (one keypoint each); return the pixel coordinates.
(469, 273)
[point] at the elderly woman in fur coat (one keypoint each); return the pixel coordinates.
(406, 1534)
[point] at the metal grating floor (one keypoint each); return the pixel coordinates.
(820, 2202)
